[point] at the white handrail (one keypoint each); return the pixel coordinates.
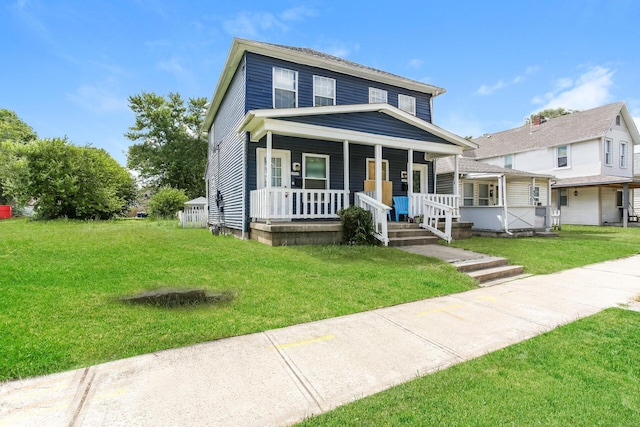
(433, 213)
(379, 212)
(450, 200)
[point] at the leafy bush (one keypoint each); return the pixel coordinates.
(357, 226)
(167, 202)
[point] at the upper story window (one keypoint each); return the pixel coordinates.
(377, 95)
(623, 154)
(562, 156)
(508, 161)
(285, 88)
(618, 120)
(407, 103)
(324, 91)
(608, 155)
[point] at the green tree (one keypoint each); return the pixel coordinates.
(75, 182)
(551, 113)
(170, 148)
(167, 202)
(14, 134)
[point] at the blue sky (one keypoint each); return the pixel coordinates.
(68, 66)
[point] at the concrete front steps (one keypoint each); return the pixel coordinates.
(489, 271)
(409, 234)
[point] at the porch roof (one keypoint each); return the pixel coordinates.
(475, 169)
(259, 122)
(597, 180)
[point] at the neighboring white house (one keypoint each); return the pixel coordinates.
(497, 199)
(589, 152)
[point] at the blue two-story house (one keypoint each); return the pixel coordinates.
(335, 133)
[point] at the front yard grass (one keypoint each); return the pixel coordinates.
(576, 246)
(583, 374)
(60, 284)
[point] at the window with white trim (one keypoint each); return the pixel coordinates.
(407, 103)
(324, 91)
(562, 156)
(623, 154)
(285, 88)
(483, 194)
(467, 194)
(377, 95)
(315, 170)
(564, 197)
(608, 155)
(535, 195)
(508, 161)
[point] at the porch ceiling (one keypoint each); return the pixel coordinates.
(259, 122)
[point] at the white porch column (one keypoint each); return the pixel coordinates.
(378, 155)
(503, 184)
(456, 183)
(345, 154)
(410, 181)
(269, 157)
(625, 204)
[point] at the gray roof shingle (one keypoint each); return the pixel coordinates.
(467, 165)
(574, 127)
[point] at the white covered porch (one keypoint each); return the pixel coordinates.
(285, 204)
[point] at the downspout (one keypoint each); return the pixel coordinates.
(503, 180)
(244, 187)
(435, 177)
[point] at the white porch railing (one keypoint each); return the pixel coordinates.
(434, 212)
(289, 203)
(378, 211)
(417, 203)
(195, 217)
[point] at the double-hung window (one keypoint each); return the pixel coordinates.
(608, 155)
(315, 169)
(562, 156)
(483, 194)
(407, 103)
(623, 154)
(324, 91)
(508, 161)
(377, 95)
(564, 197)
(285, 88)
(535, 195)
(467, 194)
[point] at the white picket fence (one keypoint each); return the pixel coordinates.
(193, 217)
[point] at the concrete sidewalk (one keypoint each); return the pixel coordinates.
(281, 376)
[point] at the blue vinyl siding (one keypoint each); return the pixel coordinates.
(226, 163)
(349, 89)
(371, 122)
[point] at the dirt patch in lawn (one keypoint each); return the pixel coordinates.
(181, 297)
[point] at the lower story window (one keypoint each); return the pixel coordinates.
(467, 194)
(315, 170)
(564, 200)
(483, 194)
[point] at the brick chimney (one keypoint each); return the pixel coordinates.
(537, 120)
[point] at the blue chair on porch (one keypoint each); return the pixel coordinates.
(401, 206)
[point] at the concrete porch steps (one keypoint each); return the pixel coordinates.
(409, 234)
(489, 269)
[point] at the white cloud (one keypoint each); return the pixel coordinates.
(99, 98)
(415, 63)
(589, 90)
(252, 24)
(501, 84)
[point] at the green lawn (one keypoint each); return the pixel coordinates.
(60, 283)
(576, 246)
(586, 373)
